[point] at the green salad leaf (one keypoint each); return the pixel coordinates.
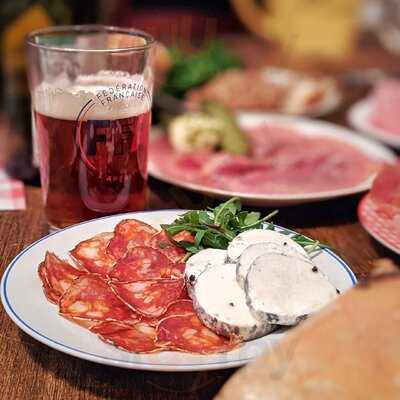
(217, 227)
(189, 71)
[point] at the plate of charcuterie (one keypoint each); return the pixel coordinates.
(291, 160)
(379, 210)
(120, 291)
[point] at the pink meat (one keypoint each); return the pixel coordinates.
(386, 105)
(283, 161)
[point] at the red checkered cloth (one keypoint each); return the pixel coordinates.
(12, 193)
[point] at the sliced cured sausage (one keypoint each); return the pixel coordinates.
(180, 307)
(143, 263)
(187, 333)
(57, 276)
(50, 294)
(161, 242)
(137, 338)
(90, 298)
(149, 298)
(92, 254)
(127, 234)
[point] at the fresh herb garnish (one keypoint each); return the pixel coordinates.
(216, 227)
(189, 71)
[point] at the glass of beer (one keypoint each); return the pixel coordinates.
(91, 91)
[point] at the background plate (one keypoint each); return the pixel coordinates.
(376, 225)
(359, 117)
(25, 303)
(310, 128)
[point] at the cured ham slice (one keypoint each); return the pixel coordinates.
(56, 276)
(187, 333)
(379, 211)
(150, 298)
(92, 254)
(90, 298)
(386, 190)
(143, 263)
(161, 242)
(138, 338)
(128, 234)
(283, 161)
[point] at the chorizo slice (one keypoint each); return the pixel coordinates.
(127, 234)
(92, 254)
(91, 298)
(161, 242)
(50, 294)
(143, 263)
(180, 307)
(137, 338)
(56, 276)
(150, 298)
(186, 333)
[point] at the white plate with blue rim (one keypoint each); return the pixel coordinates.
(25, 303)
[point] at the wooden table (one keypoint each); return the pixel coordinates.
(30, 370)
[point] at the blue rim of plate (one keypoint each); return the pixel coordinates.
(108, 360)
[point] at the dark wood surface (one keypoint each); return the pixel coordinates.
(30, 370)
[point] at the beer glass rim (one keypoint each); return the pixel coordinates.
(90, 28)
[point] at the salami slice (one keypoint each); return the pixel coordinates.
(178, 269)
(90, 298)
(92, 254)
(183, 236)
(161, 242)
(138, 338)
(150, 298)
(50, 294)
(143, 263)
(57, 276)
(180, 307)
(127, 234)
(186, 333)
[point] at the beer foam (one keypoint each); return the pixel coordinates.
(107, 95)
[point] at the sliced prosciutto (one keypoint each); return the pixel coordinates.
(56, 276)
(187, 333)
(386, 190)
(283, 161)
(143, 263)
(128, 234)
(91, 298)
(92, 254)
(138, 338)
(379, 210)
(150, 298)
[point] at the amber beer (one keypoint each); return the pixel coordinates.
(93, 160)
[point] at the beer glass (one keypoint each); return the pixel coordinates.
(91, 93)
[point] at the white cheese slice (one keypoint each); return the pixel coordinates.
(283, 290)
(253, 236)
(255, 250)
(221, 304)
(199, 262)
